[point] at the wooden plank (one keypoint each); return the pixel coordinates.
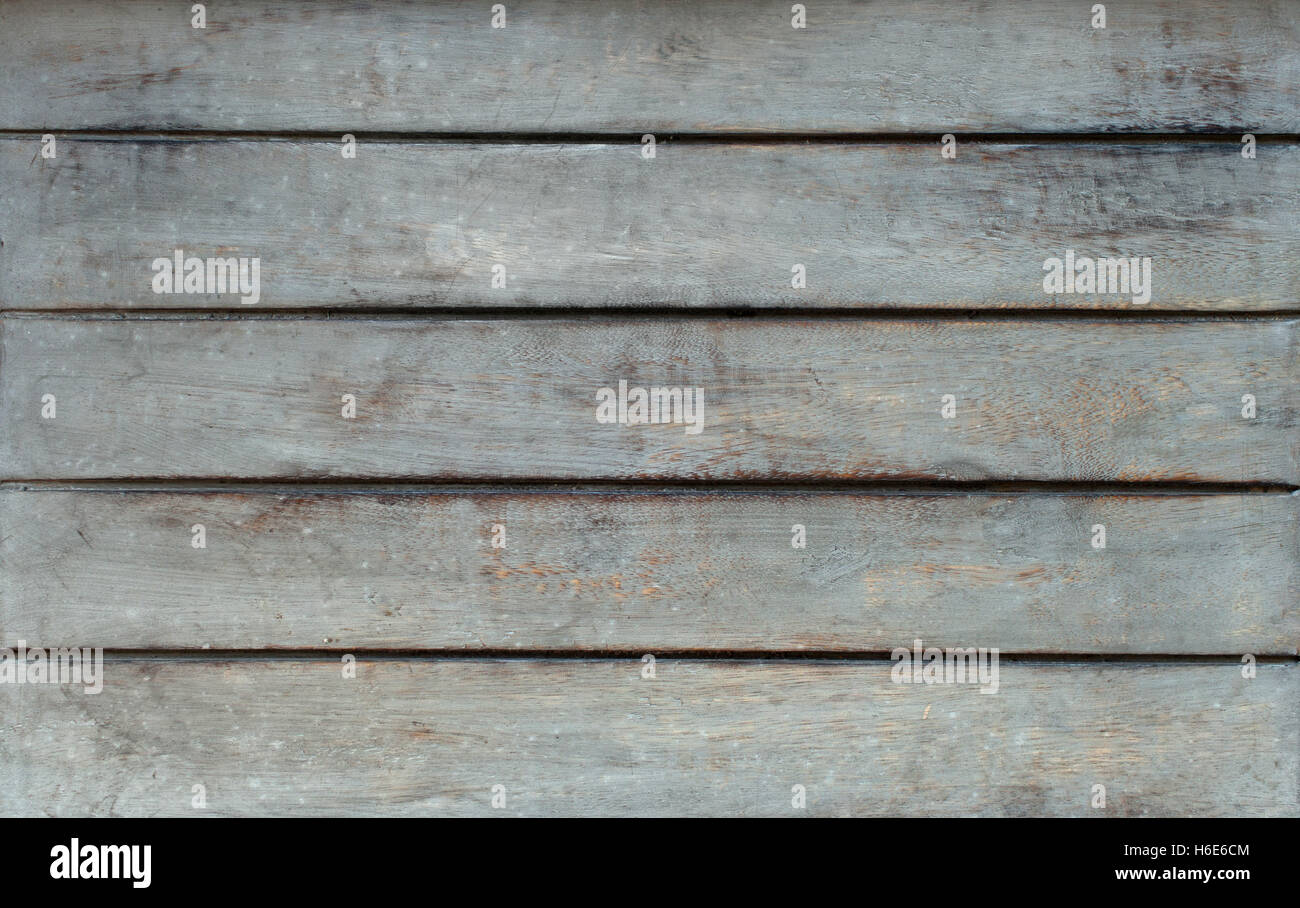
(726, 65)
(501, 399)
(703, 224)
(420, 738)
(639, 571)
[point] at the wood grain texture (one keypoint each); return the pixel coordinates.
(703, 224)
(594, 738)
(518, 148)
(651, 571)
(627, 65)
(501, 399)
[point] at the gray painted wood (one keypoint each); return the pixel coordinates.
(703, 224)
(728, 65)
(626, 571)
(415, 222)
(585, 738)
(829, 399)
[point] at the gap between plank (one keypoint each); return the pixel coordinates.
(1098, 317)
(766, 137)
(634, 655)
(296, 485)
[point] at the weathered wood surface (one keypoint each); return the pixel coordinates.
(702, 224)
(432, 738)
(651, 570)
(725, 65)
(830, 399)
(480, 148)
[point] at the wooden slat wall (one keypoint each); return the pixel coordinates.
(601, 570)
(702, 224)
(419, 738)
(631, 66)
(521, 665)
